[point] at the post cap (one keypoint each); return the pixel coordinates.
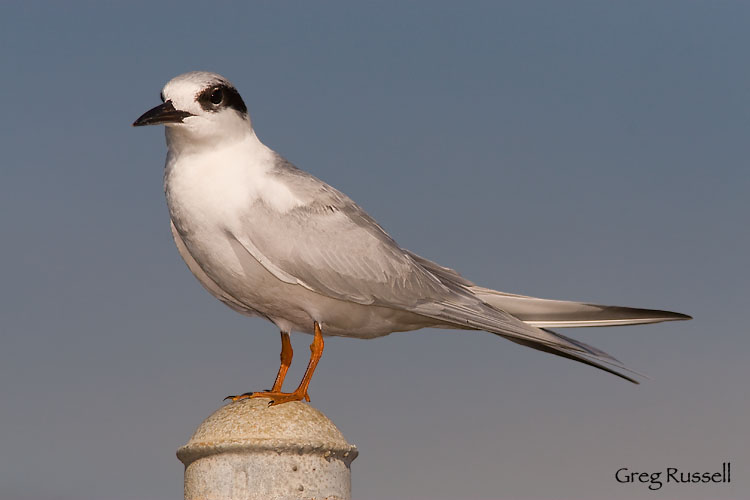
(250, 425)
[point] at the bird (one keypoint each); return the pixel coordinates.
(271, 240)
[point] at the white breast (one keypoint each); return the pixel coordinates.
(218, 186)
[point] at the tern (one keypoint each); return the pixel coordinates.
(270, 240)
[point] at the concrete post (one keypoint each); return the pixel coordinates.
(248, 450)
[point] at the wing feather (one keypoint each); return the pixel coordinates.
(339, 251)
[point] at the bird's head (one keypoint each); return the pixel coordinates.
(199, 107)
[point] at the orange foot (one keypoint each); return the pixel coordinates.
(276, 397)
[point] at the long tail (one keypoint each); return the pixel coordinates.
(545, 313)
(525, 320)
(482, 316)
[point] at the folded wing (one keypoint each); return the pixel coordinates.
(341, 252)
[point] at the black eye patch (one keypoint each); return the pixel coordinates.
(221, 96)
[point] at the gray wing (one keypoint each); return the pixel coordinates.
(332, 250)
(332, 247)
(340, 252)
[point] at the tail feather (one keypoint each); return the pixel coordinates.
(581, 358)
(482, 316)
(588, 348)
(546, 313)
(525, 320)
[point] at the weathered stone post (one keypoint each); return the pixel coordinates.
(248, 450)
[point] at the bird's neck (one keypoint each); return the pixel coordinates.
(242, 151)
(184, 141)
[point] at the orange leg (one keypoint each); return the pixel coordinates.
(277, 397)
(286, 361)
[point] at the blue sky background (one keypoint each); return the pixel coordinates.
(590, 151)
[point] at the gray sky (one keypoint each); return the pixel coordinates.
(578, 150)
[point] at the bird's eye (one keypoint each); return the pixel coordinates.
(161, 96)
(216, 96)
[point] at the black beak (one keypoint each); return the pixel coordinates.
(164, 113)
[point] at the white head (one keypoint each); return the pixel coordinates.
(199, 108)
